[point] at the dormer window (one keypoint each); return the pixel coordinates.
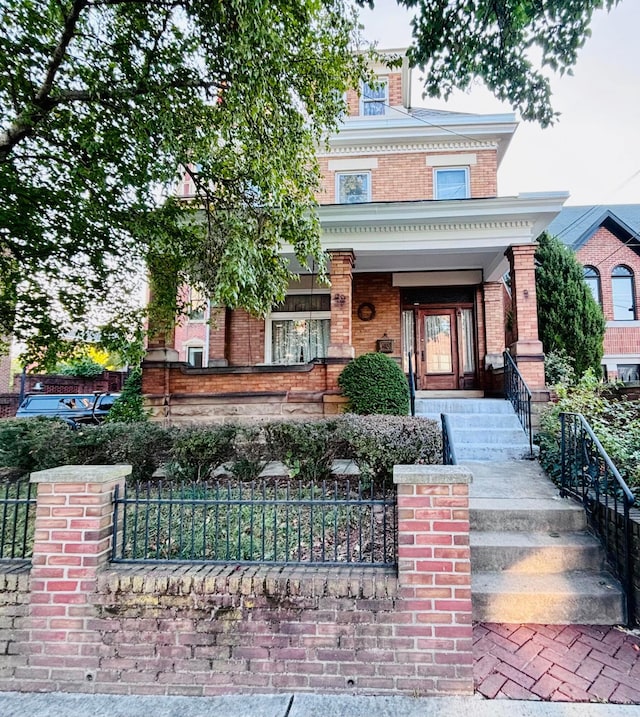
(353, 187)
(451, 183)
(374, 98)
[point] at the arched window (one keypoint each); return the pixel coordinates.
(592, 279)
(623, 294)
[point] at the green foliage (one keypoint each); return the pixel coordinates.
(129, 407)
(510, 45)
(374, 383)
(569, 319)
(83, 366)
(614, 420)
(377, 443)
(558, 368)
(196, 452)
(307, 449)
(110, 105)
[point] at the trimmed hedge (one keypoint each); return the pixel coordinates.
(375, 384)
(307, 448)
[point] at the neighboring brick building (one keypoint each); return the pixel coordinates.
(606, 240)
(419, 243)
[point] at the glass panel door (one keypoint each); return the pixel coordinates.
(439, 352)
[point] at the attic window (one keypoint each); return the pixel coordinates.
(374, 97)
(451, 183)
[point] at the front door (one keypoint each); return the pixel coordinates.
(438, 349)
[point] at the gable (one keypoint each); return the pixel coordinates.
(574, 226)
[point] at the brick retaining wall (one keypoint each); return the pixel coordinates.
(201, 630)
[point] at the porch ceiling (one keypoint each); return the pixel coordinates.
(437, 235)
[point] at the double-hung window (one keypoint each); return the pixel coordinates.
(451, 183)
(195, 356)
(592, 280)
(623, 294)
(353, 187)
(374, 97)
(298, 330)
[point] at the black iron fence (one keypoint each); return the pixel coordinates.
(589, 476)
(275, 521)
(448, 450)
(517, 391)
(17, 516)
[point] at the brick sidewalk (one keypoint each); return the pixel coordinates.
(574, 663)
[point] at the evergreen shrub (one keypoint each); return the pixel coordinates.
(375, 384)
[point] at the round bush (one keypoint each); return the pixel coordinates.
(374, 383)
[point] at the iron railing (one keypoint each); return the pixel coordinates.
(275, 521)
(412, 383)
(17, 516)
(517, 391)
(448, 450)
(589, 476)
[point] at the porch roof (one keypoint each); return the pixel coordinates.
(438, 235)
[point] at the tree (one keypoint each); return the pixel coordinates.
(104, 102)
(569, 318)
(509, 44)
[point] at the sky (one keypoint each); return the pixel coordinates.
(593, 151)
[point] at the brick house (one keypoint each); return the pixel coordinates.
(606, 240)
(419, 242)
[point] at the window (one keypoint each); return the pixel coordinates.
(451, 183)
(197, 305)
(622, 293)
(298, 330)
(353, 187)
(195, 356)
(628, 372)
(374, 98)
(592, 279)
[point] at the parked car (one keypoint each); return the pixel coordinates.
(73, 408)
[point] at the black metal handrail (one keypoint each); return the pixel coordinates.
(412, 384)
(517, 391)
(448, 450)
(590, 477)
(274, 521)
(17, 516)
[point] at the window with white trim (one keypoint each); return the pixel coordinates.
(298, 330)
(197, 305)
(451, 183)
(195, 356)
(374, 97)
(353, 187)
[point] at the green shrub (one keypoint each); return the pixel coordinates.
(308, 448)
(34, 444)
(129, 407)
(615, 421)
(377, 443)
(559, 368)
(197, 451)
(375, 384)
(251, 454)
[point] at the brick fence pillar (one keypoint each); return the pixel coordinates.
(434, 575)
(72, 541)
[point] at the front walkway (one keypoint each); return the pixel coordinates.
(563, 663)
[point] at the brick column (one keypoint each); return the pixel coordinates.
(218, 336)
(434, 575)
(72, 541)
(341, 345)
(494, 321)
(527, 350)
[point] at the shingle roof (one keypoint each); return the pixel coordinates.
(576, 225)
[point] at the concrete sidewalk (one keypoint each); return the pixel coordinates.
(15, 704)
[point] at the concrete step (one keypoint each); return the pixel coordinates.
(490, 435)
(490, 452)
(541, 553)
(581, 598)
(529, 515)
(463, 405)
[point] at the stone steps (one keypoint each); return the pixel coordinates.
(532, 560)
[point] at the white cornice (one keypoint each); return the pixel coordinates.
(407, 147)
(431, 227)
